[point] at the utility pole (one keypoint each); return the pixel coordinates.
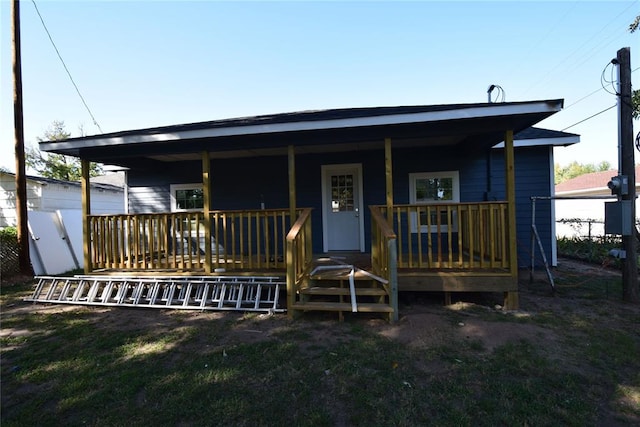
(21, 181)
(630, 288)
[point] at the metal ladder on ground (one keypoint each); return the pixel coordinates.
(215, 293)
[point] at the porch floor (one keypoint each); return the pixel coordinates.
(409, 279)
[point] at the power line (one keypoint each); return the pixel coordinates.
(584, 97)
(590, 94)
(588, 118)
(65, 67)
(575, 51)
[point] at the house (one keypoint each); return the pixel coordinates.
(50, 195)
(420, 191)
(580, 204)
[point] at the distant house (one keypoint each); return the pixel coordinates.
(585, 217)
(49, 195)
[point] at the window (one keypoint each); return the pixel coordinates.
(187, 197)
(342, 193)
(434, 188)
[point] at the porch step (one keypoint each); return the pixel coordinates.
(343, 288)
(342, 307)
(332, 290)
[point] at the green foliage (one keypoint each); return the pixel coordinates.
(585, 249)
(574, 169)
(593, 251)
(635, 95)
(57, 166)
(8, 233)
(635, 24)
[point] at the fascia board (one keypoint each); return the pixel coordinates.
(424, 117)
(532, 142)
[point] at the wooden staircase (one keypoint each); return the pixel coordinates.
(344, 289)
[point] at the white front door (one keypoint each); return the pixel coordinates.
(342, 219)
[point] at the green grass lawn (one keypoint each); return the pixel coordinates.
(571, 359)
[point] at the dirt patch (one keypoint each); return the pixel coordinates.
(421, 324)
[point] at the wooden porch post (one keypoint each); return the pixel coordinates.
(292, 182)
(388, 170)
(86, 211)
(511, 298)
(206, 195)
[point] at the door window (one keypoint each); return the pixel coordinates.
(342, 193)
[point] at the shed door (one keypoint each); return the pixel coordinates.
(342, 217)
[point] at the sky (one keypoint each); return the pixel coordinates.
(140, 64)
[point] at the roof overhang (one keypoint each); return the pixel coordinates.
(533, 142)
(466, 125)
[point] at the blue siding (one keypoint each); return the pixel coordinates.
(533, 178)
(246, 183)
(149, 191)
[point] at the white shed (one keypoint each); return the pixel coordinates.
(50, 195)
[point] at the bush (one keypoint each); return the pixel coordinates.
(595, 251)
(9, 252)
(9, 233)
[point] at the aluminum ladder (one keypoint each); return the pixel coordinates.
(215, 293)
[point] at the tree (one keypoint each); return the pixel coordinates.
(575, 169)
(635, 95)
(635, 24)
(57, 166)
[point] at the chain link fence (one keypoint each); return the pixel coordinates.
(579, 228)
(9, 255)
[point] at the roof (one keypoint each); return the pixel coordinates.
(595, 181)
(46, 181)
(112, 178)
(537, 136)
(468, 126)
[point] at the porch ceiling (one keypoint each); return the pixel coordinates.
(469, 127)
(311, 149)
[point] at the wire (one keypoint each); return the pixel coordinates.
(65, 67)
(592, 93)
(604, 82)
(575, 51)
(583, 98)
(602, 78)
(500, 95)
(590, 117)
(535, 47)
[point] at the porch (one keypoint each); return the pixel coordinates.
(458, 247)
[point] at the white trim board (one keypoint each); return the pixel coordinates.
(491, 110)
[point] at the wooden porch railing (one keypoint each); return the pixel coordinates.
(299, 255)
(451, 236)
(247, 239)
(384, 254)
